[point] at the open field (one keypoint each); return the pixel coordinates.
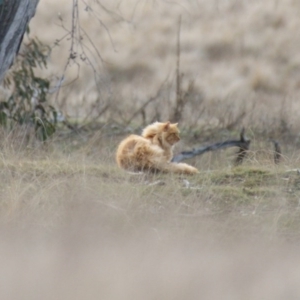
(74, 226)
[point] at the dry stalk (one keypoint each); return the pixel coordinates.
(180, 99)
(277, 152)
(142, 109)
(243, 148)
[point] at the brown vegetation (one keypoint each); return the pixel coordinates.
(237, 60)
(73, 225)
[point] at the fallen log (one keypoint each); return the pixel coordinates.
(243, 144)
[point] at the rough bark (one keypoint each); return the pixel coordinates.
(14, 17)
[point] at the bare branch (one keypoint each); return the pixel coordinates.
(243, 144)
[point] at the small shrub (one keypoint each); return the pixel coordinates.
(27, 103)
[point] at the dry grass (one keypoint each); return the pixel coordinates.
(74, 226)
(242, 57)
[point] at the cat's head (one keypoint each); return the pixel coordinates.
(166, 132)
(170, 133)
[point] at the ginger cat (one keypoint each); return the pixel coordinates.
(152, 151)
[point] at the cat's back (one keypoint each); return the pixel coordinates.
(130, 142)
(126, 148)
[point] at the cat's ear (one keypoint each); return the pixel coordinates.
(167, 126)
(175, 124)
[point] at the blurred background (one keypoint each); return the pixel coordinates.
(239, 61)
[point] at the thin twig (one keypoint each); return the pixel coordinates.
(147, 103)
(178, 81)
(142, 107)
(90, 9)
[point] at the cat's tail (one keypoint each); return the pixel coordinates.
(179, 168)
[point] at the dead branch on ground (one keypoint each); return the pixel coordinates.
(243, 144)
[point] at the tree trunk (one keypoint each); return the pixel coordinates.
(14, 17)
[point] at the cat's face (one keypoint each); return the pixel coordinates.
(171, 133)
(165, 133)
